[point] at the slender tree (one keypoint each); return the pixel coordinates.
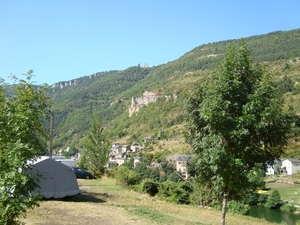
(21, 133)
(96, 149)
(236, 121)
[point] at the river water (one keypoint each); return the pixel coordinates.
(272, 215)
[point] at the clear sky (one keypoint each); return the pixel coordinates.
(66, 39)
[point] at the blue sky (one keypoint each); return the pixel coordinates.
(65, 39)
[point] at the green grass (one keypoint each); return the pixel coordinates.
(289, 192)
(150, 214)
(125, 206)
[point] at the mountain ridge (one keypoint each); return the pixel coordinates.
(109, 94)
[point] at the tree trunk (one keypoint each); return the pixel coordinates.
(224, 206)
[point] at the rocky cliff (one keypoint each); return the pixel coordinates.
(137, 103)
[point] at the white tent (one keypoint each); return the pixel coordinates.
(57, 181)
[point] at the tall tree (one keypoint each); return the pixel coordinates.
(21, 134)
(236, 121)
(96, 149)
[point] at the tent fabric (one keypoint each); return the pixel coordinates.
(57, 181)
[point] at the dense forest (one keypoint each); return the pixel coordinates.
(108, 95)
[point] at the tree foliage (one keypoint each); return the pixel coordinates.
(236, 120)
(149, 186)
(22, 135)
(177, 192)
(126, 177)
(238, 207)
(96, 149)
(274, 200)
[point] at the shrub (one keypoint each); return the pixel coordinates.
(126, 176)
(153, 173)
(110, 172)
(238, 208)
(289, 208)
(274, 200)
(150, 187)
(203, 195)
(174, 176)
(262, 199)
(251, 198)
(177, 192)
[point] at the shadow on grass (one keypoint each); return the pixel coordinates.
(84, 197)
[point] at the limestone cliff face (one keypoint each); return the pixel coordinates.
(74, 82)
(65, 84)
(137, 103)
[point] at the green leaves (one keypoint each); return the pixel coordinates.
(21, 137)
(96, 149)
(235, 121)
(274, 200)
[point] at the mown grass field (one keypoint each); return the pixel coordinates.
(288, 187)
(104, 202)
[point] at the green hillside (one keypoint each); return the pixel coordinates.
(109, 94)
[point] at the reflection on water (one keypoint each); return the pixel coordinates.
(272, 215)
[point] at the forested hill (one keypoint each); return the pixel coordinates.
(110, 94)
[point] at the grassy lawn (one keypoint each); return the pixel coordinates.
(288, 191)
(104, 202)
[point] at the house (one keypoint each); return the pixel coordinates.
(137, 160)
(112, 164)
(273, 168)
(116, 147)
(135, 147)
(147, 139)
(181, 164)
(117, 151)
(125, 148)
(291, 166)
(117, 155)
(270, 170)
(120, 161)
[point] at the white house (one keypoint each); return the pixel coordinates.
(135, 147)
(181, 164)
(272, 168)
(291, 165)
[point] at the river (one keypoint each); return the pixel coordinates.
(272, 215)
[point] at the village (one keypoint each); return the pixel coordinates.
(120, 153)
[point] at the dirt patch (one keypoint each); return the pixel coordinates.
(276, 185)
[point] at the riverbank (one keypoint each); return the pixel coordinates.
(288, 187)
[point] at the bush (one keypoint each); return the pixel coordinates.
(174, 177)
(153, 173)
(289, 208)
(274, 200)
(177, 192)
(110, 172)
(238, 208)
(203, 195)
(150, 187)
(251, 198)
(126, 176)
(262, 199)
